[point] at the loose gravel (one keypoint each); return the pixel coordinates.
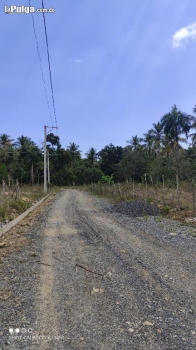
(144, 300)
(136, 208)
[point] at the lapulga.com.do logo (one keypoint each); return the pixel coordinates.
(20, 330)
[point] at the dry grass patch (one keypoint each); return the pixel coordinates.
(173, 203)
(15, 238)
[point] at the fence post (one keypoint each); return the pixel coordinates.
(17, 190)
(163, 181)
(177, 192)
(3, 187)
(145, 179)
(193, 196)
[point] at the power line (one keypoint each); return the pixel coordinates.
(40, 62)
(49, 65)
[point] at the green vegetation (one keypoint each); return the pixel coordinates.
(10, 207)
(157, 157)
(155, 167)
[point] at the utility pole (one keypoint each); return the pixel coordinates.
(48, 167)
(45, 180)
(45, 150)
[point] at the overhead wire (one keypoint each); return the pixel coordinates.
(51, 84)
(40, 62)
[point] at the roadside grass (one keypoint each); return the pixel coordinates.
(10, 207)
(173, 203)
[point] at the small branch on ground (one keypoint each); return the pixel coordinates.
(57, 258)
(43, 263)
(87, 269)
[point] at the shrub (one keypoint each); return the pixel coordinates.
(106, 179)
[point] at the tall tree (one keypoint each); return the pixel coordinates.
(176, 123)
(5, 141)
(6, 144)
(154, 137)
(23, 142)
(29, 154)
(109, 158)
(92, 155)
(33, 158)
(135, 142)
(74, 151)
(193, 126)
(54, 140)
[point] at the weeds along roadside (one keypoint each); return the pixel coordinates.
(176, 202)
(12, 205)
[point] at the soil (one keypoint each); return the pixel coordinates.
(85, 277)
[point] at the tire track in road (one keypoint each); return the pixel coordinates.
(135, 308)
(48, 301)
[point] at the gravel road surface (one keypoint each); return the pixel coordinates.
(95, 279)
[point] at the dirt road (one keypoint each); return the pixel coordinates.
(99, 281)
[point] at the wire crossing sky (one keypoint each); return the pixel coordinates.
(116, 68)
(49, 66)
(40, 62)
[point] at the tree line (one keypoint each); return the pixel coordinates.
(159, 154)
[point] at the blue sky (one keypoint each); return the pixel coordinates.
(117, 67)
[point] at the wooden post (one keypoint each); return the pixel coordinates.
(193, 197)
(163, 181)
(3, 191)
(127, 190)
(177, 192)
(145, 179)
(113, 189)
(3, 187)
(133, 186)
(177, 182)
(17, 190)
(119, 189)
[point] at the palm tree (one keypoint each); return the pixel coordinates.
(154, 137)
(33, 157)
(92, 155)
(6, 149)
(135, 142)
(29, 154)
(23, 142)
(193, 126)
(168, 145)
(5, 143)
(74, 149)
(5, 140)
(176, 123)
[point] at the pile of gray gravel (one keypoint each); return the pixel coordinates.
(136, 208)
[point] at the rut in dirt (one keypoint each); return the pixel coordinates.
(106, 283)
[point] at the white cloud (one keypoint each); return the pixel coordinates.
(75, 61)
(184, 34)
